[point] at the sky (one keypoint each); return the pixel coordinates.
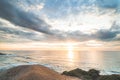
(57, 24)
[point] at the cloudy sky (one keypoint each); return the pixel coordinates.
(56, 23)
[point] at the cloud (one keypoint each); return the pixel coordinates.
(112, 34)
(36, 7)
(18, 16)
(108, 6)
(115, 27)
(9, 31)
(20, 33)
(113, 4)
(62, 8)
(56, 8)
(105, 35)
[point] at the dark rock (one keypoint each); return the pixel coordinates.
(92, 74)
(109, 77)
(78, 73)
(2, 54)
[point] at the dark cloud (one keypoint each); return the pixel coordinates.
(9, 31)
(115, 27)
(23, 34)
(80, 36)
(17, 16)
(5, 37)
(102, 34)
(105, 35)
(113, 4)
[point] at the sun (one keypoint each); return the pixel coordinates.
(69, 46)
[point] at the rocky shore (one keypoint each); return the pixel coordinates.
(32, 72)
(2, 53)
(38, 72)
(92, 74)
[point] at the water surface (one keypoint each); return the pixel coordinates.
(108, 62)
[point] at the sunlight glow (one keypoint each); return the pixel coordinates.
(82, 22)
(69, 46)
(70, 51)
(93, 43)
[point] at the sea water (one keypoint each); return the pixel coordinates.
(108, 62)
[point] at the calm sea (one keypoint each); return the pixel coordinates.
(108, 62)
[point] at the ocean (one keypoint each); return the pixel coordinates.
(108, 62)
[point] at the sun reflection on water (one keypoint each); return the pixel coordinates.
(70, 54)
(70, 49)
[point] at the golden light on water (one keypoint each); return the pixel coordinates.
(70, 53)
(70, 48)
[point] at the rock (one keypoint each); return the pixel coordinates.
(2, 54)
(32, 72)
(92, 74)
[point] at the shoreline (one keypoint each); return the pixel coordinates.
(33, 72)
(39, 72)
(91, 74)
